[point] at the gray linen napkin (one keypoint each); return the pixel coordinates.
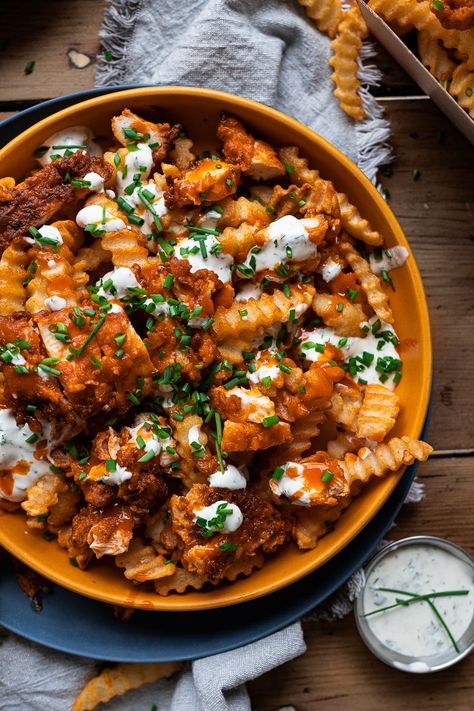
(266, 50)
(269, 51)
(39, 679)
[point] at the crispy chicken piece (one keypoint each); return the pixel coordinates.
(34, 201)
(209, 181)
(255, 158)
(23, 389)
(248, 436)
(145, 488)
(97, 379)
(195, 289)
(263, 529)
(456, 14)
(106, 532)
(162, 134)
(317, 480)
(163, 347)
(81, 554)
(242, 405)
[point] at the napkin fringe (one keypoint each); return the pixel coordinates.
(373, 133)
(116, 32)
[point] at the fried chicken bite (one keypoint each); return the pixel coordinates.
(25, 383)
(249, 436)
(159, 136)
(455, 14)
(105, 531)
(34, 201)
(211, 538)
(208, 181)
(255, 158)
(95, 374)
(317, 480)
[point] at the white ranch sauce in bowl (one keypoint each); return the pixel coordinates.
(411, 637)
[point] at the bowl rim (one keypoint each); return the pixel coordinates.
(177, 602)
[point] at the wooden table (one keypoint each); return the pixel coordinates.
(436, 211)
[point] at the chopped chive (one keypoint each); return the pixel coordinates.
(147, 456)
(327, 476)
(91, 335)
(269, 421)
(29, 67)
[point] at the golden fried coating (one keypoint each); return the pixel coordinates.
(263, 528)
(160, 136)
(34, 201)
(454, 14)
(209, 181)
(95, 378)
(254, 158)
(248, 436)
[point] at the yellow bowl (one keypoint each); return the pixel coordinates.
(198, 110)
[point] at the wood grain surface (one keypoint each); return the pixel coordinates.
(436, 211)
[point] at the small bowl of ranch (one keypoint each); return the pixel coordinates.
(416, 610)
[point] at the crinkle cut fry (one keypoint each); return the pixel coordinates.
(181, 431)
(179, 582)
(238, 241)
(345, 405)
(13, 264)
(355, 225)
(120, 679)
(261, 313)
(300, 172)
(346, 46)
(311, 524)
(378, 412)
(235, 212)
(417, 13)
(345, 322)
(303, 431)
(43, 495)
(326, 14)
(462, 82)
(351, 220)
(435, 57)
(141, 562)
(90, 258)
(369, 282)
(384, 458)
(123, 244)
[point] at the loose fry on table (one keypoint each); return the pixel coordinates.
(118, 680)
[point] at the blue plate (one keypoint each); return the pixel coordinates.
(77, 625)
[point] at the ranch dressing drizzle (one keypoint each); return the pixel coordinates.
(94, 215)
(390, 259)
(288, 241)
(204, 254)
(137, 163)
(354, 346)
(414, 630)
(230, 478)
(18, 454)
(232, 521)
(72, 139)
(118, 281)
